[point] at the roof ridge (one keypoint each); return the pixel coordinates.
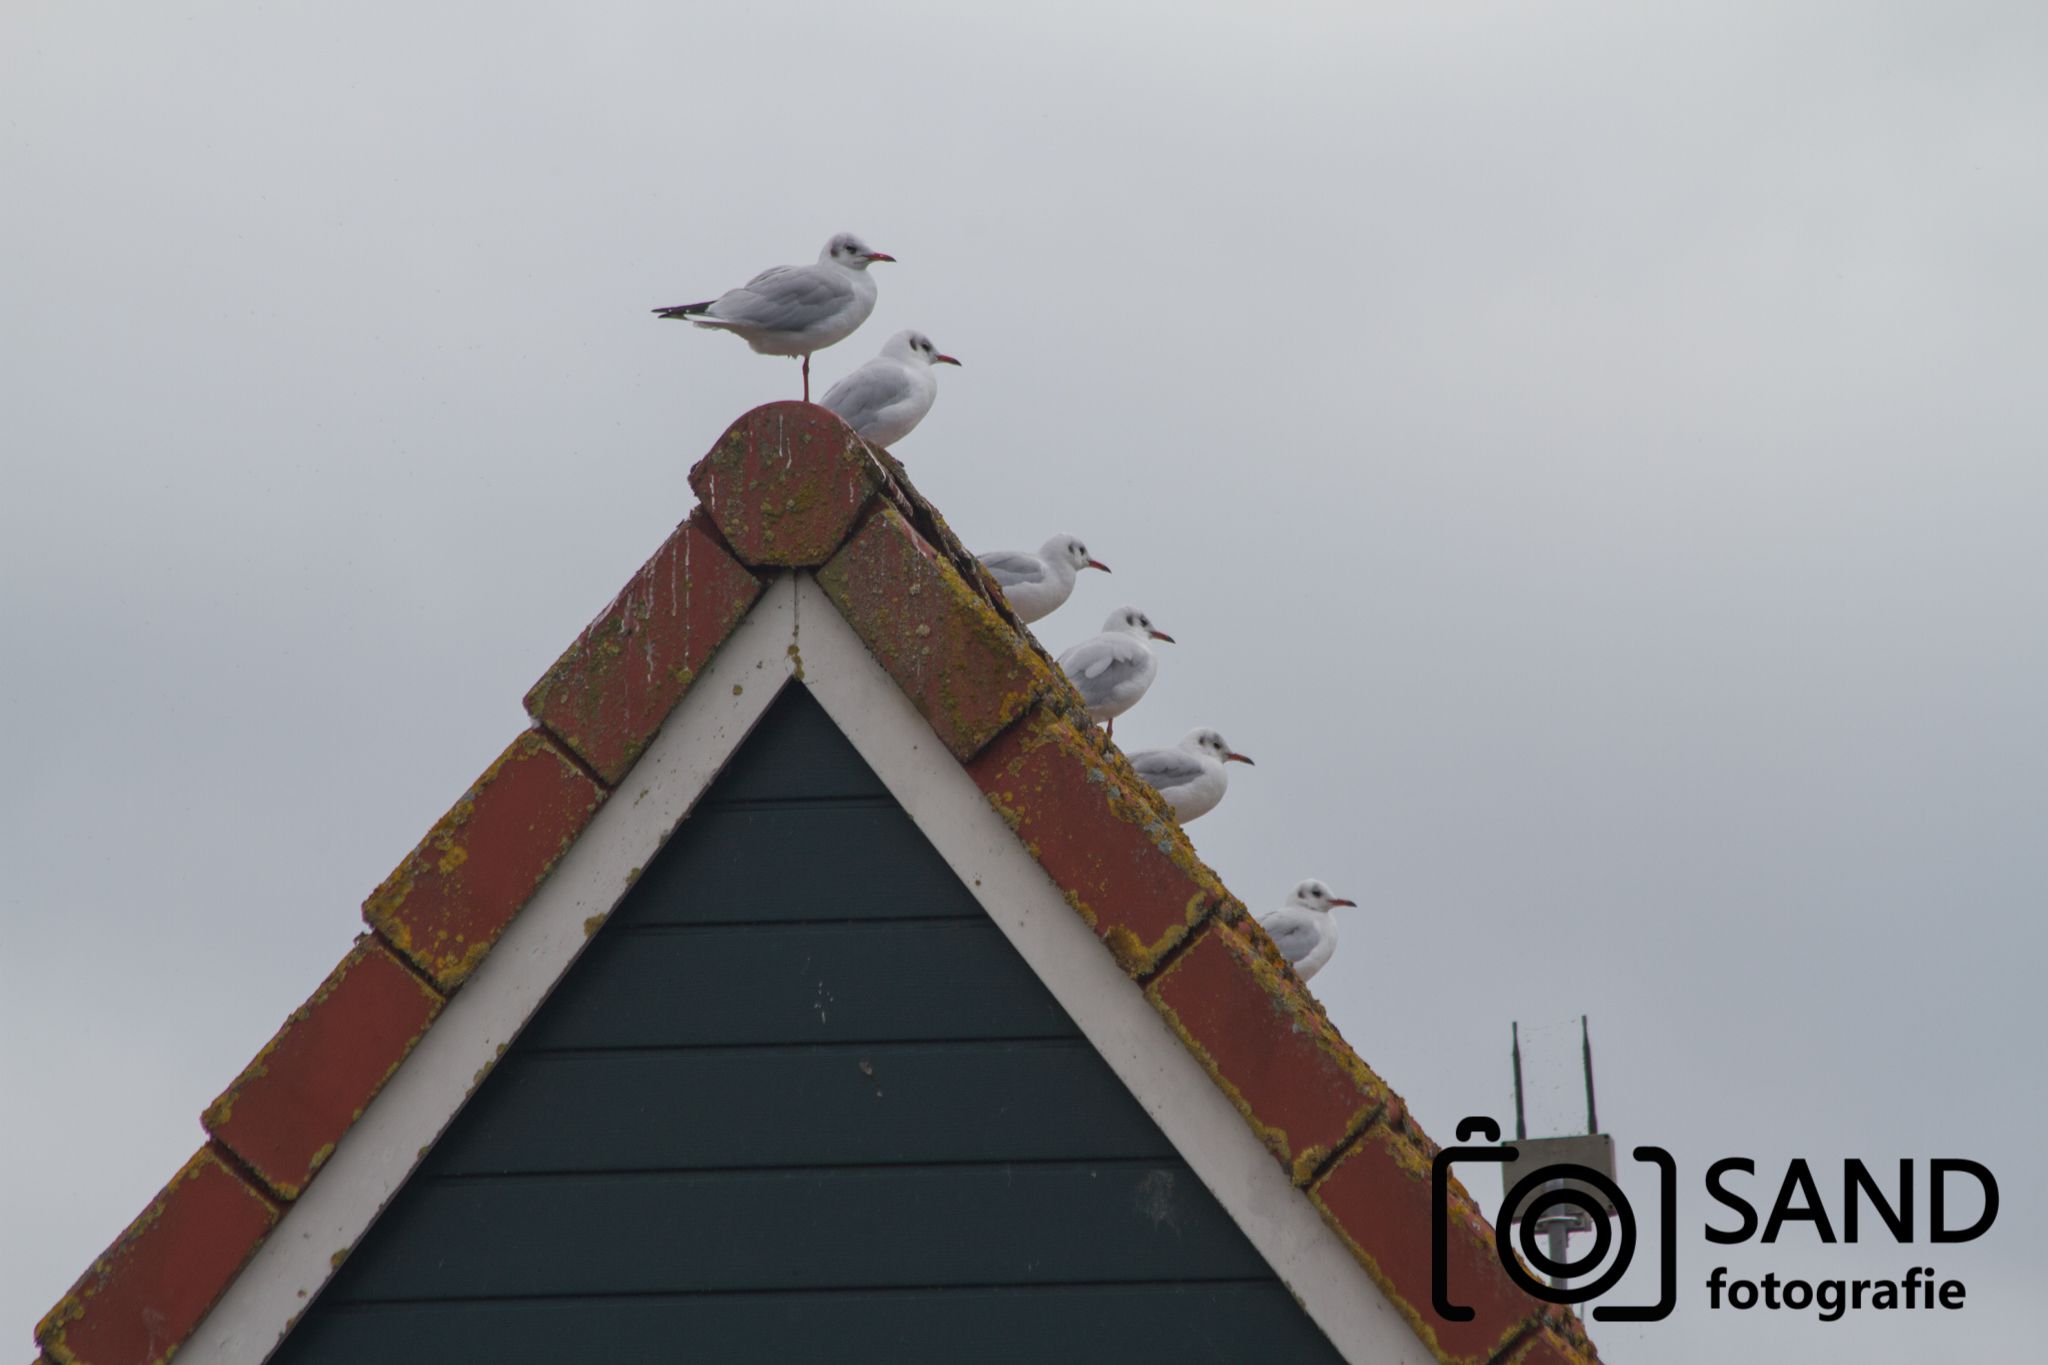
(789, 487)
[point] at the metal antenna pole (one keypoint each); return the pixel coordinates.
(1586, 1043)
(1521, 1127)
(1559, 1231)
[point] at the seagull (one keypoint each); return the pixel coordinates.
(1113, 669)
(886, 398)
(1190, 775)
(796, 309)
(1037, 585)
(1304, 930)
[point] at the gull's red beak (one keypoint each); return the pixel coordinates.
(944, 360)
(1238, 758)
(1098, 564)
(1338, 900)
(1162, 635)
(881, 256)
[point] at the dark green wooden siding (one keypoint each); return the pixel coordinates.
(800, 1101)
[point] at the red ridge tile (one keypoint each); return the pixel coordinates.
(1548, 1346)
(607, 697)
(1260, 1035)
(1378, 1198)
(446, 904)
(785, 483)
(1089, 820)
(945, 646)
(284, 1113)
(150, 1289)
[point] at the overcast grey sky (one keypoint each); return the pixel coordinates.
(1591, 456)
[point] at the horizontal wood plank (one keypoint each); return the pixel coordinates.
(820, 861)
(794, 753)
(1213, 1323)
(870, 1227)
(714, 1108)
(797, 983)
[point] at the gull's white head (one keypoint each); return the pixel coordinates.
(915, 348)
(1131, 621)
(1070, 552)
(850, 251)
(1209, 742)
(1316, 896)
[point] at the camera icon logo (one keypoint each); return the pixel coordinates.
(1571, 1187)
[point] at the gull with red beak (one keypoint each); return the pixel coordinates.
(1190, 775)
(1036, 585)
(1113, 669)
(886, 398)
(795, 309)
(1303, 929)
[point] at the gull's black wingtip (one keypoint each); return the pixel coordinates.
(681, 310)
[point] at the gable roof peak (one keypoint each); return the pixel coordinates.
(788, 487)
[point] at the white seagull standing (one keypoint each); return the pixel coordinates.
(1037, 585)
(1304, 930)
(886, 398)
(1113, 669)
(1190, 775)
(796, 309)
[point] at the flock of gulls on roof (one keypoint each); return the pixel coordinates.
(795, 310)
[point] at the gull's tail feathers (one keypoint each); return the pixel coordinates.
(689, 311)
